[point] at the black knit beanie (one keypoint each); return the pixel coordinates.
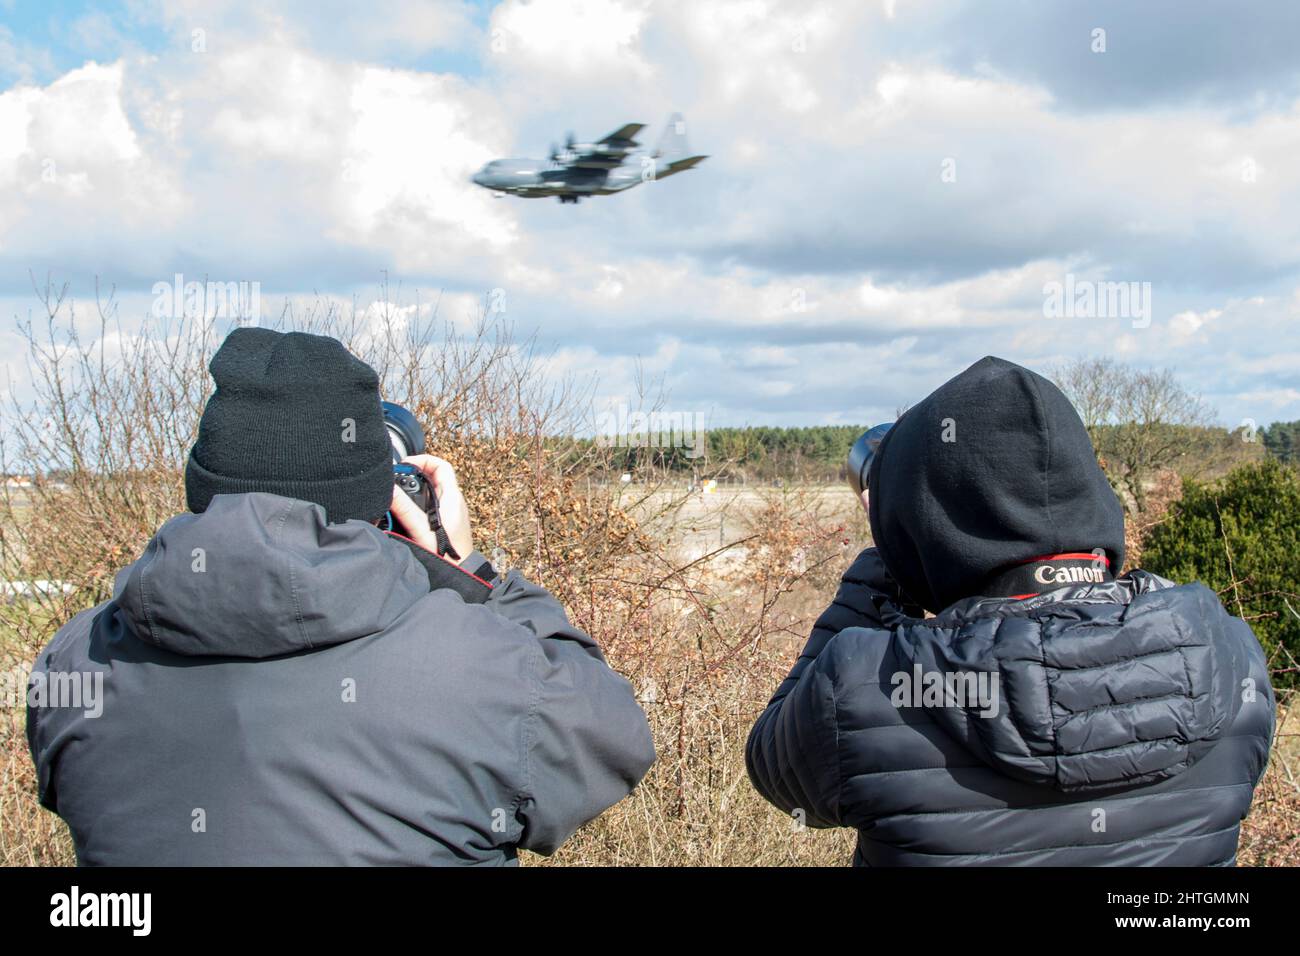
(991, 470)
(294, 415)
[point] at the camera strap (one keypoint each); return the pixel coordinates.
(1048, 571)
(443, 574)
(441, 536)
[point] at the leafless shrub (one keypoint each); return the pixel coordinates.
(1143, 423)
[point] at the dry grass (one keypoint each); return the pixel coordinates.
(29, 835)
(1271, 834)
(705, 661)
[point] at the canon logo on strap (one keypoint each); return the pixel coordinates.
(1049, 571)
(1047, 574)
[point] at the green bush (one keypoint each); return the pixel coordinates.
(1241, 537)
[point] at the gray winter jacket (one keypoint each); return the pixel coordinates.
(277, 690)
(1123, 723)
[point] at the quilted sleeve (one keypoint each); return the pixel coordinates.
(792, 751)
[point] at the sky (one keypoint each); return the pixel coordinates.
(895, 188)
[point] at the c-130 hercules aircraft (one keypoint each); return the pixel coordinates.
(607, 166)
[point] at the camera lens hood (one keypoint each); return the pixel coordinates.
(860, 455)
(403, 431)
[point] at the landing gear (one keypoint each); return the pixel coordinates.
(564, 199)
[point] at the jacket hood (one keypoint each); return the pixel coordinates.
(1087, 687)
(259, 575)
(992, 469)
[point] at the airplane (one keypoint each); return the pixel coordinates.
(607, 166)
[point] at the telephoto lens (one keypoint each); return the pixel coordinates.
(860, 455)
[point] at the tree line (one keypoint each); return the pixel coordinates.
(1133, 450)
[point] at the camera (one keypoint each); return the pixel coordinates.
(407, 438)
(861, 454)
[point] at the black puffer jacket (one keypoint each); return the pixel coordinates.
(1132, 722)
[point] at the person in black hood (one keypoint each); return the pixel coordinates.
(987, 688)
(278, 681)
(992, 469)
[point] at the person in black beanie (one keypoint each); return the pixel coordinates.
(279, 681)
(297, 415)
(987, 688)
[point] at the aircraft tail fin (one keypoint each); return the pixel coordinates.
(672, 143)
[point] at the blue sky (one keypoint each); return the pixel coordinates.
(55, 36)
(892, 183)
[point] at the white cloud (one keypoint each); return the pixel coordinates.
(574, 36)
(1188, 323)
(75, 171)
(1275, 399)
(410, 150)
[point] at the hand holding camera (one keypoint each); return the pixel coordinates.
(427, 501)
(451, 509)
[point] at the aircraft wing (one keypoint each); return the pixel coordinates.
(624, 134)
(679, 166)
(607, 153)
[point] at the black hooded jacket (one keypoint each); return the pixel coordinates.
(1113, 721)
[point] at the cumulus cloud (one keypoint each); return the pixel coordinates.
(577, 37)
